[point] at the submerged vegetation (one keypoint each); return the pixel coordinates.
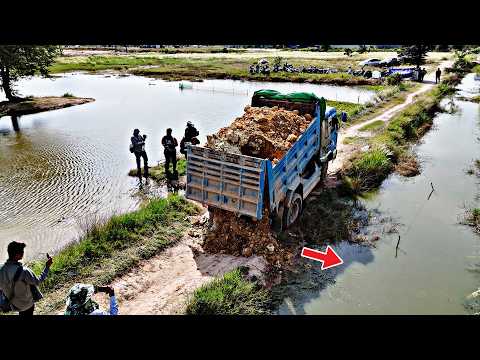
(157, 173)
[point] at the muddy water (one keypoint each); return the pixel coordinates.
(63, 168)
(432, 271)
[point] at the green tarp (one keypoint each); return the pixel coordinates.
(296, 97)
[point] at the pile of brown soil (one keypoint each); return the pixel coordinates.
(262, 132)
(243, 237)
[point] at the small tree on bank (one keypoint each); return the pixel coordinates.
(362, 49)
(415, 54)
(325, 47)
(17, 61)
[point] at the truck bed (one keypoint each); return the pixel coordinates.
(241, 183)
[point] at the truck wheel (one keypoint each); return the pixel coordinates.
(293, 211)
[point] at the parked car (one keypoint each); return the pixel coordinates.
(370, 62)
(390, 61)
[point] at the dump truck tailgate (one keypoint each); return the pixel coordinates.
(227, 181)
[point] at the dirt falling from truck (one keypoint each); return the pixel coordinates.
(266, 133)
(238, 236)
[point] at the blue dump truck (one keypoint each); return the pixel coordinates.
(249, 185)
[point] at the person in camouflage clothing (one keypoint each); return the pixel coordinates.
(80, 302)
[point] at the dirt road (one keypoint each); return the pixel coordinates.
(345, 150)
(162, 284)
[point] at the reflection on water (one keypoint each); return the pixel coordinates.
(58, 167)
(430, 273)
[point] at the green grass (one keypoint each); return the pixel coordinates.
(367, 171)
(153, 227)
(230, 294)
(158, 172)
(185, 68)
(374, 87)
(351, 109)
(372, 126)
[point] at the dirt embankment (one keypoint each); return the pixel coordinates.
(40, 104)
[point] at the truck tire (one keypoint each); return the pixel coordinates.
(292, 213)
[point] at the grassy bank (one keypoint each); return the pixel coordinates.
(157, 173)
(390, 146)
(109, 249)
(352, 109)
(193, 68)
(230, 294)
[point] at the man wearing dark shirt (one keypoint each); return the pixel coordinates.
(190, 137)
(138, 143)
(438, 73)
(170, 143)
(190, 132)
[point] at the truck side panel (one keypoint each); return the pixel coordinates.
(227, 181)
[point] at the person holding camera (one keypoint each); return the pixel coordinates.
(138, 148)
(18, 284)
(170, 151)
(190, 137)
(80, 302)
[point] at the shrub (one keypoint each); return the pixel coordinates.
(368, 170)
(394, 79)
(230, 294)
(67, 95)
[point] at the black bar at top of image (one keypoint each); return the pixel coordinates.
(244, 23)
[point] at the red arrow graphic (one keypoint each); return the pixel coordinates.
(328, 258)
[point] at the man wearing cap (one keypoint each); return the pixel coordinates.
(190, 132)
(190, 136)
(19, 283)
(80, 302)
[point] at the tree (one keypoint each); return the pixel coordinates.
(348, 52)
(17, 61)
(326, 47)
(363, 49)
(414, 54)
